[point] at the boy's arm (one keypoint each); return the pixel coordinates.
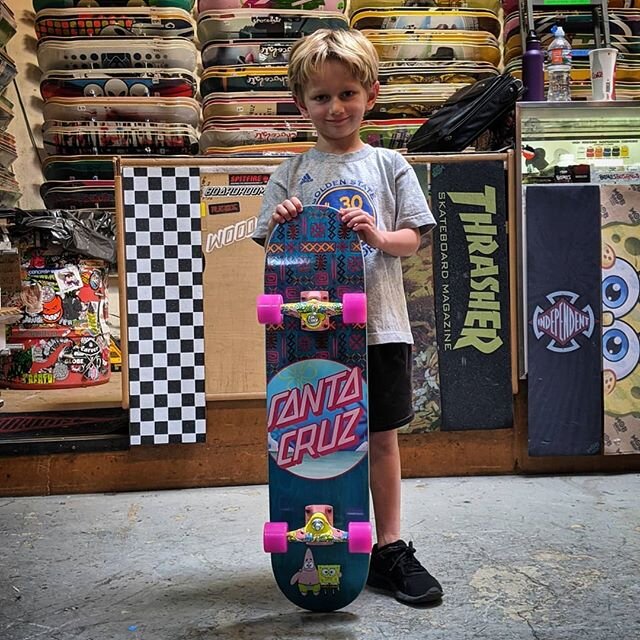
(401, 243)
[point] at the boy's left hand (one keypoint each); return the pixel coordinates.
(364, 225)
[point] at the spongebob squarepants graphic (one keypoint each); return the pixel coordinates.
(621, 317)
(329, 576)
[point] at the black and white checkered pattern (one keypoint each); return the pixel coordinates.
(164, 304)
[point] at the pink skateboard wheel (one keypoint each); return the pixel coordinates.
(360, 538)
(354, 308)
(274, 537)
(269, 311)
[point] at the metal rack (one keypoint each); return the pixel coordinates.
(599, 12)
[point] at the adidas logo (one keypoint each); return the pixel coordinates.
(305, 178)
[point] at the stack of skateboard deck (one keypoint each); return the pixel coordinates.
(247, 108)
(9, 188)
(117, 80)
(426, 54)
(624, 26)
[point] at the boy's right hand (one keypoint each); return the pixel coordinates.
(286, 211)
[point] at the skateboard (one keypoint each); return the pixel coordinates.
(9, 188)
(116, 53)
(434, 72)
(77, 168)
(314, 309)
(620, 317)
(39, 5)
(300, 5)
(8, 24)
(249, 131)
(275, 103)
(119, 21)
(119, 138)
(251, 78)
(474, 46)
(246, 52)
(260, 150)
(391, 134)
(412, 18)
(117, 83)
(265, 24)
(564, 338)
(8, 70)
(78, 194)
(492, 5)
(6, 113)
(178, 110)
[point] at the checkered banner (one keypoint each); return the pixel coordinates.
(165, 320)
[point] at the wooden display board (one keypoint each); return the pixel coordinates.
(231, 198)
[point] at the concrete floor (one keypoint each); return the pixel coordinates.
(542, 558)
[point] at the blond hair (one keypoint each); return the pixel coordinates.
(348, 46)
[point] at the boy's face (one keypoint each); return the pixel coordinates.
(336, 102)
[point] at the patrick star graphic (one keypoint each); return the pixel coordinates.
(307, 578)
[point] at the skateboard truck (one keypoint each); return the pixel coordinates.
(314, 309)
(318, 530)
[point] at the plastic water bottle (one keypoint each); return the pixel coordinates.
(533, 69)
(559, 67)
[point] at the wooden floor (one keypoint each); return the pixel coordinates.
(102, 396)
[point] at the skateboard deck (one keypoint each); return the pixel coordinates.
(434, 72)
(55, 53)
(119, 138)
(8, 70)
(564, 340)
(276, 103)
(433, 18)
(177, 110)
(260, 150)
(390, 134)
(620, 317)
(252, 78)
(253, 131)
(263, 24)
(246, 52)
(299, 5)
(118, 83)
(39, 5)
(78, 194)
(8, 24)
(318, 534)
(77, 168)
(492, 5)
(119, 21)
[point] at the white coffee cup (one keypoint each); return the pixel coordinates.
(602, 63)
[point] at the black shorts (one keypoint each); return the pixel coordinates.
(390, 387)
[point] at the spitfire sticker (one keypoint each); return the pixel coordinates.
(563, 322)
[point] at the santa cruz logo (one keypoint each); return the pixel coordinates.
(563, 321)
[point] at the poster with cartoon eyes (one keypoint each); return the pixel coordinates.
(621, 317)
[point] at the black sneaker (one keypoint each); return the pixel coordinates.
(395, 570)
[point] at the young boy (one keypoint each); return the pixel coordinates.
(333, 78)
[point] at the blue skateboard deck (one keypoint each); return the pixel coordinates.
(317, 425)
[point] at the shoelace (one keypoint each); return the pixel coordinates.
(406, 560)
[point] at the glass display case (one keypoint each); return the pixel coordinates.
(577, 141)
(570, 142)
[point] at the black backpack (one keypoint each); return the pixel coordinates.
(466, 114)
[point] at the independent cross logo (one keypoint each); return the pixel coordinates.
(563, 321)
(305, 178)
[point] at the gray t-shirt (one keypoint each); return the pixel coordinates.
(380, 182)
